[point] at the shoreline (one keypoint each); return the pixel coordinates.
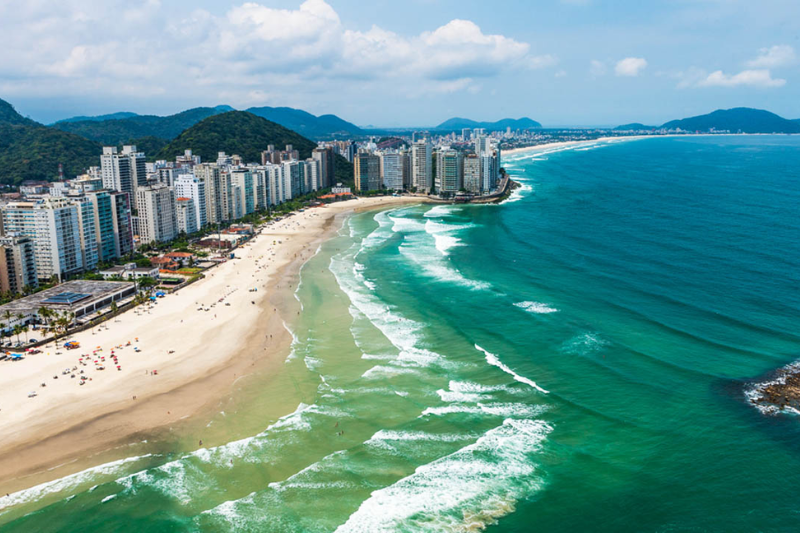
(199, 355)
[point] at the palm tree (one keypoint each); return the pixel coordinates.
(17, 331)
(114, 310)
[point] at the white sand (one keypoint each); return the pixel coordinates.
(201, 341)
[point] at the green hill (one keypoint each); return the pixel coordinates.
(244, 134)
(98, 118)
(307, 124)
(29, 150)
(456, 124)
(740, 119)
(235, 132)
(119, 130)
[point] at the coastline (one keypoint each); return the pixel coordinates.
(567, 144)
(198, 356)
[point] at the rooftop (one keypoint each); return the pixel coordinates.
(65, 296)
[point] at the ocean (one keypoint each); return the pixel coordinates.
(576, 358)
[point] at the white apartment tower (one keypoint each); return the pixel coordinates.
(156, 214)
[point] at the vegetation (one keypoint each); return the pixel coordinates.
(307, 124)
(235, 133)
(31, 151)
(740, 119)
(119, 130)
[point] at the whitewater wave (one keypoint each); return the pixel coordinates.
(69, 483)
(492, 359)
(466, 490)
(584, 344)
(536, 308)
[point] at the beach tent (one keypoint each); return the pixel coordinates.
(153, 298)
(161, 293)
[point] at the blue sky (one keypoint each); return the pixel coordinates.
(404, 63)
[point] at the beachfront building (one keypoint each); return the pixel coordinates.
(449, 171)
(189, 186)
(53, 225)
(472, 173)
(123, 228)
(218, 192)
(327, 166)
(274, 175)
(88, 233)
(312, 176)
(489, 172)
(82, 297)
(367, 167)
(156, 214)
(125, 171)
(392, 170)
(17, 264)
(186, 216)
(244, 192)
(422, 166)
(292, 179)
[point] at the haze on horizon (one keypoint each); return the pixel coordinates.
(411, 63)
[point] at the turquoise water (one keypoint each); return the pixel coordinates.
(574, 359)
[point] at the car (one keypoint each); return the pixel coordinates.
(32, 340)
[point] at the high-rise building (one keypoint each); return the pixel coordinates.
(156, 214)
(466, 134)
(17, 264)
(327, 166)
(189, 186)
(392, 170)
(124, 171)
(185, 215)
(367, 169)
(449, 171)
(53, 225)
(312, 176)
(242, 180)
(489, 172)
(422, 166)
(292, 174)
(472, 173)
(123, 225)
(217, 190)
(274, 175)
(88, 232)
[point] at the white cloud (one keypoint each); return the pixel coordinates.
(597, 68)
(543, 61)
(750, 78)
(251, 52)
(630, 66)
(776, 56)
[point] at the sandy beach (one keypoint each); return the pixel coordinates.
(188, 356)
(567, 144)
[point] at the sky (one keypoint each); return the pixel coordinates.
(404, 63)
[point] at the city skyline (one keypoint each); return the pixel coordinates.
(561, 62)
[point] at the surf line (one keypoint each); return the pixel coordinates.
(492, 359)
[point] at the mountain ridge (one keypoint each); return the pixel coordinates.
(738, 119)
(459, 123)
